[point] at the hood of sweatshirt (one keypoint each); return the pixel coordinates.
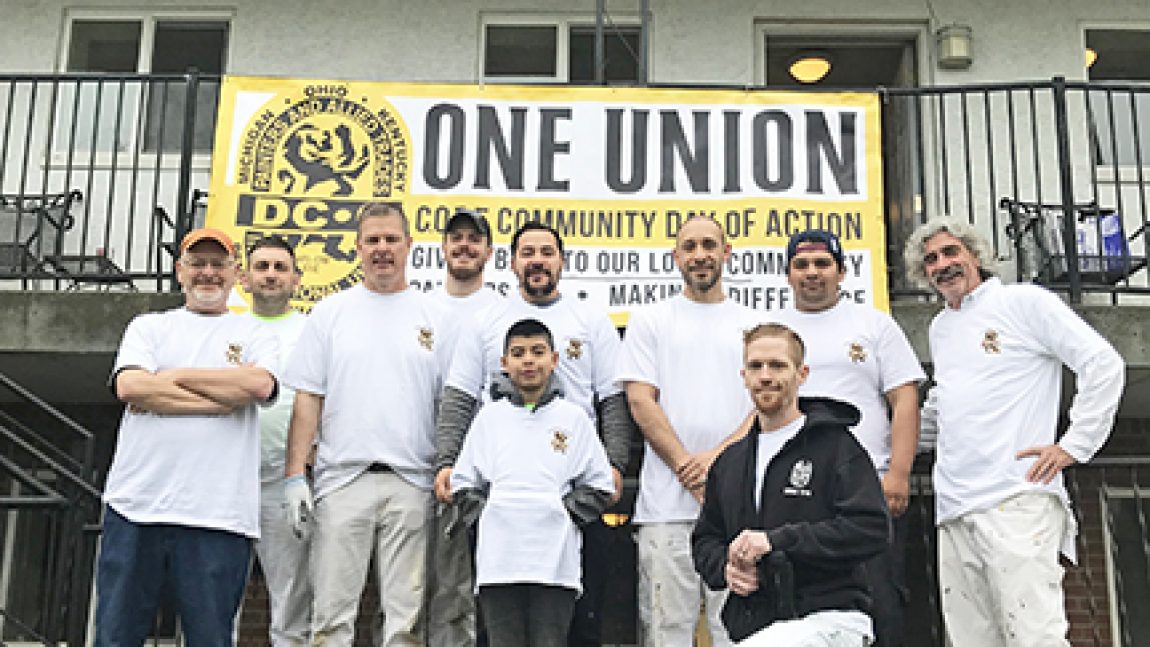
(503, 387)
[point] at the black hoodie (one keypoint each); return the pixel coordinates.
(822, 508)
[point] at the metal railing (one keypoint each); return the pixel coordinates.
(128, 148)
(50, 524)
(135, 146)
(1015, 159)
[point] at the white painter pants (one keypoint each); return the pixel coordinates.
(671, 592)
(999, 575)
(283, 558)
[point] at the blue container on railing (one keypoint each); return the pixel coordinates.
(1103, 253)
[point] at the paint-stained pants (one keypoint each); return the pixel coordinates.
(671, 592)
(450, 582)
(378, 513)
(283, 560)
(814, 630)
(999, 575)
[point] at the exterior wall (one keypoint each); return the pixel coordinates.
(691, 42)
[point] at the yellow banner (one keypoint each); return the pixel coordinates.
(615, 170)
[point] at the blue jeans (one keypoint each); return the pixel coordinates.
(204, 570)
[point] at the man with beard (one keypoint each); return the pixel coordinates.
(367, 369)
(680, 366)
(588, 348)
(451, 600)
(860, 355)
(1002, 511)
(272, 278)
(183, 494)
(791, 546)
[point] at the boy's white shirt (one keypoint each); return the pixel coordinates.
(528, 460)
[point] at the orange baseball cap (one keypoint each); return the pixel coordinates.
(207, 233)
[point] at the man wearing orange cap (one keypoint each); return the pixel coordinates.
(183, 492)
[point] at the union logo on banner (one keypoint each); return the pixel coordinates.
(307, 162)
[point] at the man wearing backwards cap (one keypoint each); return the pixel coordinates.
(451, 600)
(860, 355)
(183, 492)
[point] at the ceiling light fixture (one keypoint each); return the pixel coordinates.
(1091, 57)
(810, 66)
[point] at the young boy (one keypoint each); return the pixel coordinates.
(531, 469)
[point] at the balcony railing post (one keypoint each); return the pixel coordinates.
(1066, 180)
(187, 144)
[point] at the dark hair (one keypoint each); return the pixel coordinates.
(274, 241)
(535, 225)
(528, 328)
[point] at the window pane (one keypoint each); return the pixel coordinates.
(516, 50)
(620, 50)
(1123, 56)
(179, 46)
(104, 46)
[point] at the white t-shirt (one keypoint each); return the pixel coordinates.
(200, 471)
(692, 353)
(274, 420)
(378, 360)
(998, 363)
(462, 310)
(857, 354)
(769, 446)
(585, 339)
(530, 460)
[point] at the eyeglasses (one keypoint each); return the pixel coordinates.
(947, 251)
(197, 263)
(822, 263)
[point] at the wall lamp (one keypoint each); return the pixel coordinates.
(954, 48)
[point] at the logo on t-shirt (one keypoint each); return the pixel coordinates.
(856, 352)
(990, 342)
(574, 348)
(235, 354)
(801, 473)
(426, 337)
(559, 441)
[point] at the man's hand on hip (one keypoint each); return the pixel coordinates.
(1049, 461)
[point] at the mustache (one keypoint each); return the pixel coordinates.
(947, 273)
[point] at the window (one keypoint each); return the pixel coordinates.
(1120, 56)
(559, 51)
(151, 44)
(1126, 514)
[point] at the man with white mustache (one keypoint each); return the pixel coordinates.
(367, 370)
(680, 366)
(588, 347)
(182, 497)
(1003, 513)
(451, 600)
(859, 355)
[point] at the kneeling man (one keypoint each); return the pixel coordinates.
(790, 548)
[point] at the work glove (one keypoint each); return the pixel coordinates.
(300, 506)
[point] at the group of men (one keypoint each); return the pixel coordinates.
(776, 464)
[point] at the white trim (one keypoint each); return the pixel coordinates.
(561, 21)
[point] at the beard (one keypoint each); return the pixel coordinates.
(464, 274)
(537, 291)
(701, 284)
